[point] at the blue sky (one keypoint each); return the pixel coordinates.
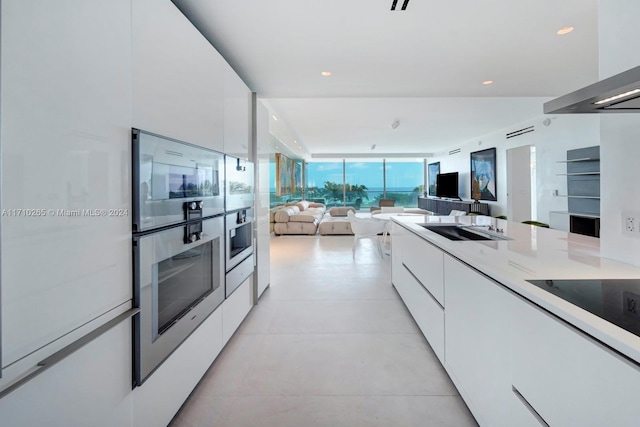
(399, 174)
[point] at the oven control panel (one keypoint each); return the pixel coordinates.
(193, 232)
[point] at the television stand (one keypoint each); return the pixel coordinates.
(444, 207)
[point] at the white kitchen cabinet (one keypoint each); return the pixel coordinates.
(160, 397)
(477, 347)
(262, 196)
(237, 115)
(263, 271)
(410, 282)
(66, 120)
(178, 77)
(90, 387)
(236, 307)
(425, 261)
(567, 377)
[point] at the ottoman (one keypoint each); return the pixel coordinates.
(335, 222)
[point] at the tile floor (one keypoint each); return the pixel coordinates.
(329, 344)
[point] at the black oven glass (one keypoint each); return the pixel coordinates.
(179, 182)
(183, 280)
(240, 238)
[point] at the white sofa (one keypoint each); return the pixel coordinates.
(300, 218)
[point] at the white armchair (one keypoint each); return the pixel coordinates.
(368, 228)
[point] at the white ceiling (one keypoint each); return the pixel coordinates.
(423, 67)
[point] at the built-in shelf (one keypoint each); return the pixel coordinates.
(444, 207)
(584, 159)
(583, 190)
(579, 173)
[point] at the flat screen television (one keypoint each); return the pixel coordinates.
(447, 185)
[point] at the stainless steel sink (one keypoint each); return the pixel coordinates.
(457, 232)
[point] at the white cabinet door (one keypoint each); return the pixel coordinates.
(399, 241)
(421, 303)
(177, 76)
(568, 378)
(235, 308)
(66, 120)
(237, 115)
(156, 402)
(262, 195)
(477, 348)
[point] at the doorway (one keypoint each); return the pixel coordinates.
(521, 179)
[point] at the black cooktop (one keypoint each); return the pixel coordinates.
(614, 300)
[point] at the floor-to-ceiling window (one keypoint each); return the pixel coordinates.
(324, 183)
(362, 183)
(404, 181)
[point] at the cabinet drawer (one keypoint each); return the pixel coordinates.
(426, 311)
(568, 378)
(426, 262)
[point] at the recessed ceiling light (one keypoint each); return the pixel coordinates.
(326, 73)
(487, 82)
(274, 117)
(565, 30)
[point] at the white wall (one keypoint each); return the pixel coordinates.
(619, 150)
(565, 132)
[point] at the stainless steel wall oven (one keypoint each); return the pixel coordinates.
(178, 244)
(177, 285)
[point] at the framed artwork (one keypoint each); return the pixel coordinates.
(297, 176)
(284, 175)
(433, 169)
(483, 175)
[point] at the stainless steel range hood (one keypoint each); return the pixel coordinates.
(617, 94)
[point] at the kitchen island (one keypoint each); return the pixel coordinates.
(519, 354)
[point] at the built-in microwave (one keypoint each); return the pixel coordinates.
(239, 238)
(172, 179)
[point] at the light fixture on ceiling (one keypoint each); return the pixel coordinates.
(487, 82)
(274, 117)
(373, 146)
(326, 73)
(563, 31)
(395, 124)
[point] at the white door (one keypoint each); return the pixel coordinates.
(519, 171)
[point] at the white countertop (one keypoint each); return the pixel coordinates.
(537, 253)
